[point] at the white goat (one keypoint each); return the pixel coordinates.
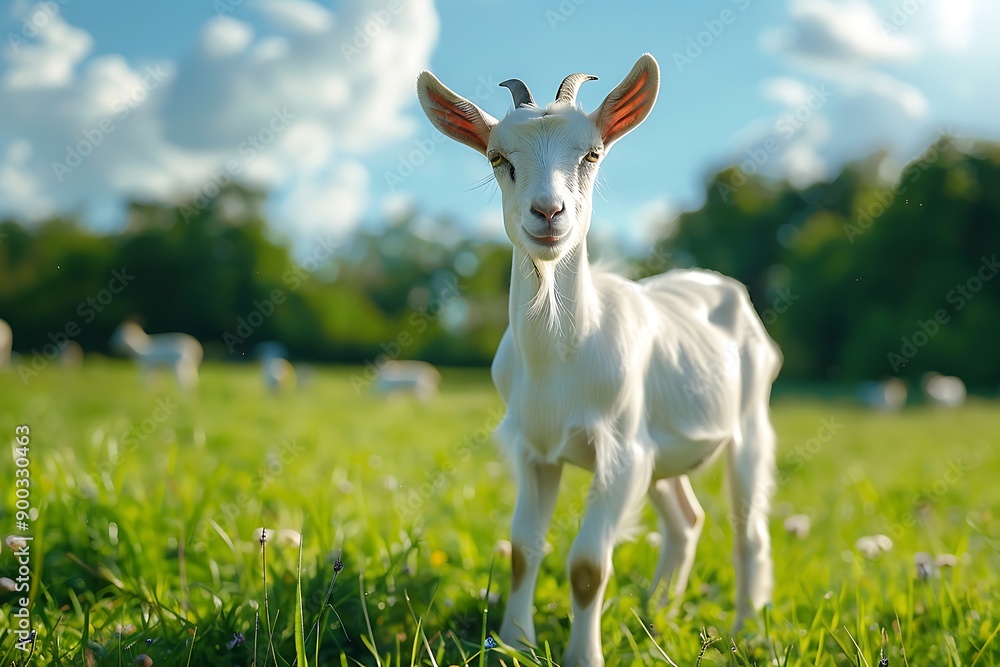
(640, 383)
(178, 351)
(6, 343)
(888, 395)
(279, 374)
(416, 377)
(946, 390)
(71, 355)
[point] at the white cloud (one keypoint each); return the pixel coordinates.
(651, 217)
(845, 45)
(801, 162)
(785, 90)
(292, 107)
(23, 188)
(332, 201)
(225, 37)
(848, 33)
(48, 62)
(297, 16)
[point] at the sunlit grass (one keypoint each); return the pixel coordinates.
(148, 502)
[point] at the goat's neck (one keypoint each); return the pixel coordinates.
(553, 306)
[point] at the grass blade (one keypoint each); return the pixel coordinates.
(300, 643)
(368, 641)
(648, 634)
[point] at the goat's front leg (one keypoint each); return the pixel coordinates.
(538, 487)
(613, 496)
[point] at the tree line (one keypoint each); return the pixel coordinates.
(855, 277)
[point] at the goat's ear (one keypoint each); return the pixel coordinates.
(629, 103)
(454, 115)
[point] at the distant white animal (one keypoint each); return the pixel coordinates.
(888, 395)
(179, 352)
(946, 390)
(279, 374)
(6, 343)
(71, 355)
(639, 382)
(408, 377)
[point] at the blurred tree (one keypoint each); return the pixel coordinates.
(855, 278)
(874, 271)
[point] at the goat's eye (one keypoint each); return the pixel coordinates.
(592, 156)
(497, 159)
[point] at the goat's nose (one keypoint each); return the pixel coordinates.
(547, 208)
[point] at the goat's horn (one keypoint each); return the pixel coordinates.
(520, 93)
(570, 86)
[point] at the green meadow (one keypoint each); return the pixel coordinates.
(385, 519)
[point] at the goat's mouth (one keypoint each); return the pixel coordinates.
(545, 239)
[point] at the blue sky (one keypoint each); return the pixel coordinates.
(167, 99)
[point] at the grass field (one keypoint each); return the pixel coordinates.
(148, 502)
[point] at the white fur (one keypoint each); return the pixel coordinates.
(179, 352)
(946, 390)
(640, 383)
(413, 377)
(6, 343)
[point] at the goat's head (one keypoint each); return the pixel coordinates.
(545, 158)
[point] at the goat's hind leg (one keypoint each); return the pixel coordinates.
(751, 484)
(681, 521)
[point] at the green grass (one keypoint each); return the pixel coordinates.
(147, 544)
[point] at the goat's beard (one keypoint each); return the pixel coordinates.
(547, 305)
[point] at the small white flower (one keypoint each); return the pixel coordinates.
(502, 548)
(946, 560)
(289, 537)
(7, 584)
(16, 542)
(873, 546)
(798, 525)
(262, 535)
(925, 565)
